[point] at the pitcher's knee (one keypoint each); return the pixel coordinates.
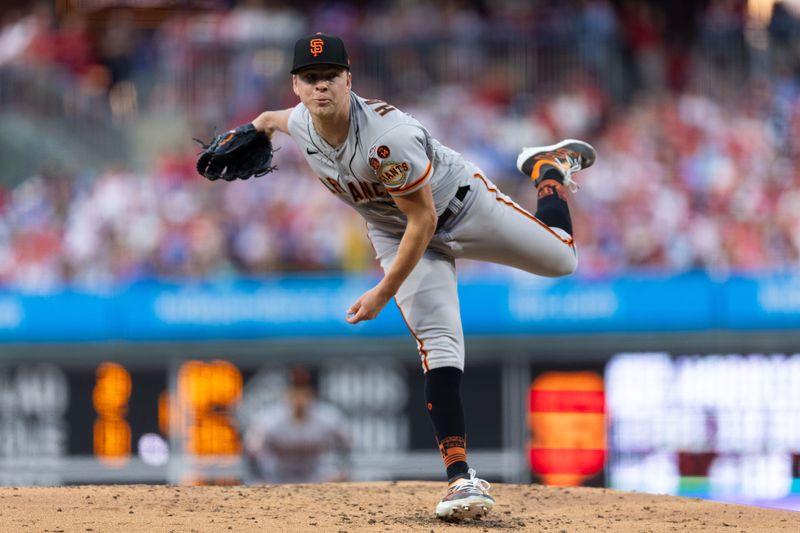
(441, 352)
(438, 349)
(564, 265)
(439, 359)
(565, 260)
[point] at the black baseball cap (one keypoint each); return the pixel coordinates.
(319, 49)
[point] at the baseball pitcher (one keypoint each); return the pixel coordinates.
(425, 206)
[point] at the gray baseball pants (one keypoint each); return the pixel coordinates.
(489, 227)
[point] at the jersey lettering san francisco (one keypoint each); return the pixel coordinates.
(387, 153)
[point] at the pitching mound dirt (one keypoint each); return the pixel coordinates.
(353, 507)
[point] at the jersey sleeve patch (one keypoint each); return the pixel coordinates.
(399, 159)
(412, 185)
(393, 173)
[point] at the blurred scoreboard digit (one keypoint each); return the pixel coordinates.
(111, 431)
(110, 407)
(567, 424)
(208, 394)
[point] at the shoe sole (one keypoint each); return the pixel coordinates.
(587, 152)
(473, 508)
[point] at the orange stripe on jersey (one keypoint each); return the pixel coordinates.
(568, 242)
(420, 344)
(415, 182)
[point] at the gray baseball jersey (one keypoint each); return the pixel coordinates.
(294, 451)
(389, 153)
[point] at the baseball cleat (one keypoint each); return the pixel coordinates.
(466, 498)
(568, 156)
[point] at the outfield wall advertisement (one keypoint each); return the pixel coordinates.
(315, 306)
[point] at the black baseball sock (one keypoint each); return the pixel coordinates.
(443, 399)
(552, 208)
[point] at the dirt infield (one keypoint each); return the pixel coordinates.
(353, 507)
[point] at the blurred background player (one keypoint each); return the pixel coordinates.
(300, 439)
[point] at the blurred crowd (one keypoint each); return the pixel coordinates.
(693, 110)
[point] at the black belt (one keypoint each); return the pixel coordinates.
(450, 211)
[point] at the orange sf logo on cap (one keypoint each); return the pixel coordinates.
(316, 46)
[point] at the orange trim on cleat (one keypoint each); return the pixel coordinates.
(566, 157)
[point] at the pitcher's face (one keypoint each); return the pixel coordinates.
(324, 90)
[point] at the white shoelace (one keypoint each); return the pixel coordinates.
(568, 166)
(473, 482)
